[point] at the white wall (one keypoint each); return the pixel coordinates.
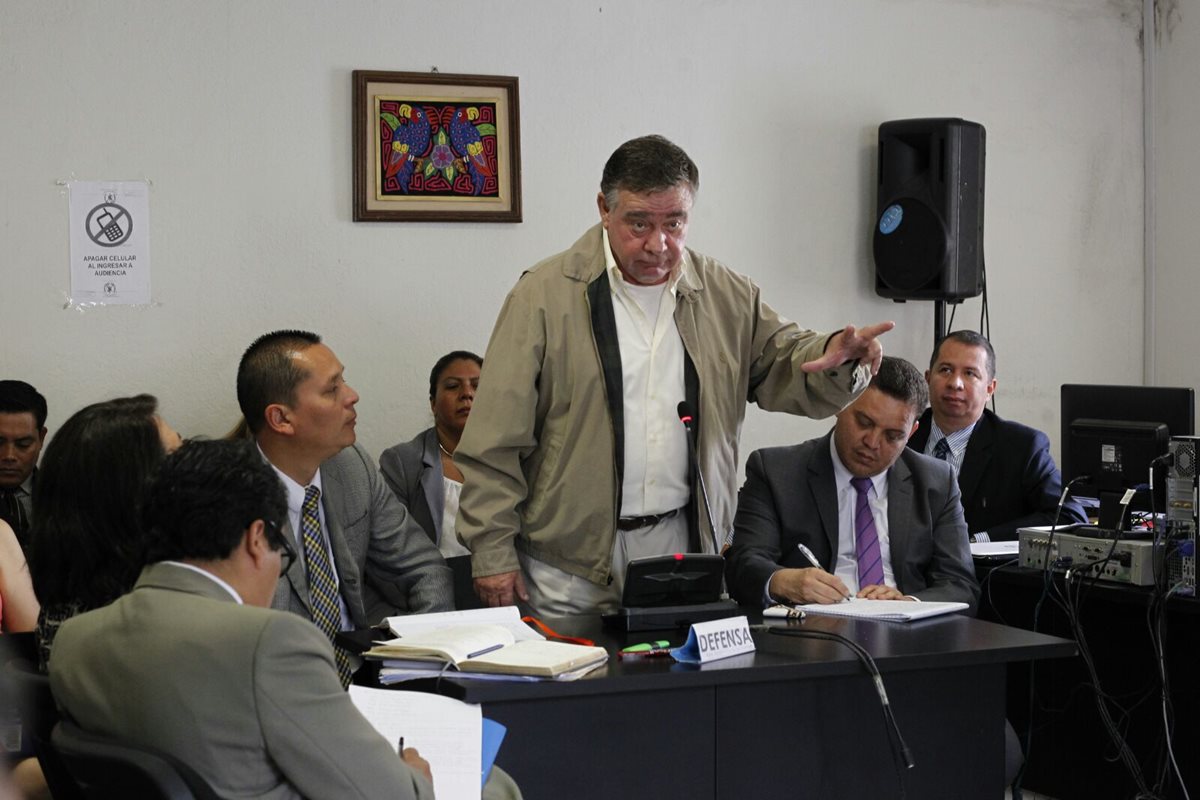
(1176, 118)
(239, 113)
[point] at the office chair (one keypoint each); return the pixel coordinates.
(105, 768)
(39, 715)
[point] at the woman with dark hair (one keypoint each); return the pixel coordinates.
(87, 545)
(422, 472)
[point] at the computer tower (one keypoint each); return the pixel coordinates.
(1183, 514)
(928, 239)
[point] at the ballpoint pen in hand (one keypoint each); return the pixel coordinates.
(812, 559)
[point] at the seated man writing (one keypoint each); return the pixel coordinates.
(879, 520)
(193, 661)
(1006, 474)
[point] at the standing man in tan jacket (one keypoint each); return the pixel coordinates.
(575, 459)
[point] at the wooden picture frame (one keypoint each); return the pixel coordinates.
(435, 147)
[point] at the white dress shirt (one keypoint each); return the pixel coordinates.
(957, 442)
(295, 501)
(846, 566)
(652, 359)
(218, 581)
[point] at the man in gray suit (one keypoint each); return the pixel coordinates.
(854, 513)
(193, 663)
(362, 557)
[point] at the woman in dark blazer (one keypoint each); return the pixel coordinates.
(422, 472)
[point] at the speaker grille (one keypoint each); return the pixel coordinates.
(910, 245)
(930, 171)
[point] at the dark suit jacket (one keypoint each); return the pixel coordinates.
(1008, 479)
(413, 470)
(385, 562)
(790, 497)
(248, 697)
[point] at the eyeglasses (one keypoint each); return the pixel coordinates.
(289, 552)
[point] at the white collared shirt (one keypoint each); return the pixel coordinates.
(652, 359)
(957, 442)
(232, 592)
(846, 567)
(295, 501)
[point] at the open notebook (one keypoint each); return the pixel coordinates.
(486, 648)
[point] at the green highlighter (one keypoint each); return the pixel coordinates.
(660, 647)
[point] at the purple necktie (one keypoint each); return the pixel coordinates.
(866, 540)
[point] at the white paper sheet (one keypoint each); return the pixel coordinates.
(505, 616)
(447, 732)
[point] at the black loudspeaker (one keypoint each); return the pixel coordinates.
(929, 210)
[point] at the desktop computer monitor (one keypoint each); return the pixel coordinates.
(1111, 434)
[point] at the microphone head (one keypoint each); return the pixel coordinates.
(685, 412)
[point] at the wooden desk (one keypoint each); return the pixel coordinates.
(1071, 754)
(798, 718)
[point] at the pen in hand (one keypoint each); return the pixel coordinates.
(415, 762)
(812, 559)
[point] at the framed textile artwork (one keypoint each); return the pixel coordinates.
(436, 147)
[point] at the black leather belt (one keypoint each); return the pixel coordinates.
(633, 523)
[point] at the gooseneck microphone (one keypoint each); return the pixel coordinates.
(688, 417)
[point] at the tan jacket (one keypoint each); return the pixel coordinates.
(246, 696)
(538, 452)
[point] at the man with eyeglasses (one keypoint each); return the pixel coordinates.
(193, 661)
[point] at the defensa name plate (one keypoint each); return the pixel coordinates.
(714, 640)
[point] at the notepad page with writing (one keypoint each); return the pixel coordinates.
(447, 732)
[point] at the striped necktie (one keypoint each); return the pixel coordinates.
(322, 588)
(942, 450)
(866, 539)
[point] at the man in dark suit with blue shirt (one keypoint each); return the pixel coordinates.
(1005, 471)
(854, 512)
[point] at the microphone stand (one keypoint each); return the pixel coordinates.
(688, 419)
